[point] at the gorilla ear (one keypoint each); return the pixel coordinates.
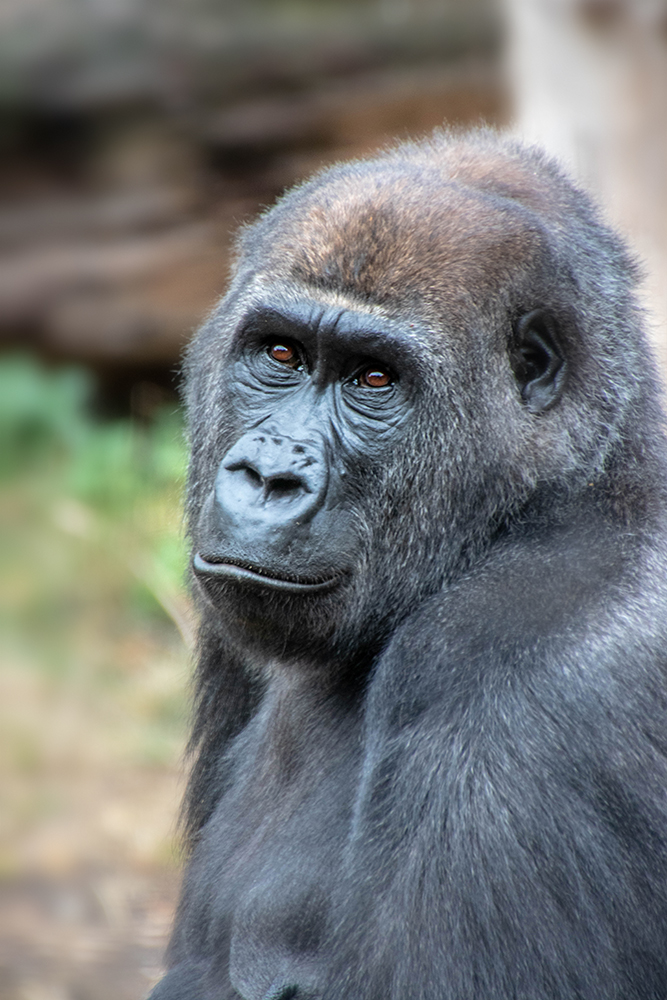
(538, 361)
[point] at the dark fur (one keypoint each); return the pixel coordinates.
(448, 780)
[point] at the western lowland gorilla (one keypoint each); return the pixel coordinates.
(428, 514)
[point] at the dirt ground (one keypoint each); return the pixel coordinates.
(89, 859)
(89, 935)
(86, 912)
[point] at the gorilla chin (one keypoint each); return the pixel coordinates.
(428, 507)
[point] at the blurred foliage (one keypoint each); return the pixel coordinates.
(92, 592)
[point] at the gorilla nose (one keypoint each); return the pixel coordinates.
(269, 475)
(273, 486)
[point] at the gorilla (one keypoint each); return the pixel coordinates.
(427, 504)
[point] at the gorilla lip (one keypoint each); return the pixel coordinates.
(232, 569)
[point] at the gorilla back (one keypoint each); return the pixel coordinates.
(427, 507)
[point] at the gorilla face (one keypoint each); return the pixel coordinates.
(324, 397)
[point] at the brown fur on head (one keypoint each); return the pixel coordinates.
(445, 218)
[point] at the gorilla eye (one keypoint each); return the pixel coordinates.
(374, 377)
(285, 354)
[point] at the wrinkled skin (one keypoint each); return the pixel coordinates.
(427, 509)
(279, 498)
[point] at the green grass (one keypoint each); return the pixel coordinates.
(94, 617)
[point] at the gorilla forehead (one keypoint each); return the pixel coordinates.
(384, 251)
(399, 229)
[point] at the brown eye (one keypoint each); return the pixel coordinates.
(375, 378)
(285, 354)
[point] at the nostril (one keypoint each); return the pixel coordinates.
(283, 486)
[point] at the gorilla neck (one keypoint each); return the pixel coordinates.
(630, 494)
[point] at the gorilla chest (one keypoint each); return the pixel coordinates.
(280, 838)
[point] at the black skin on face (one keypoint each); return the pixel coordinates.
(428, 508)
(322, 392)
(319, 390)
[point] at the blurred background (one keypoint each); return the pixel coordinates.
(135, 136)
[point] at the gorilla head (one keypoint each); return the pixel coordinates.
(412, 352)
(427, 506)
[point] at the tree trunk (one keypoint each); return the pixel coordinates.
(589, 79)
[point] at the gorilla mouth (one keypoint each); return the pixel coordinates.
(243, 572)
